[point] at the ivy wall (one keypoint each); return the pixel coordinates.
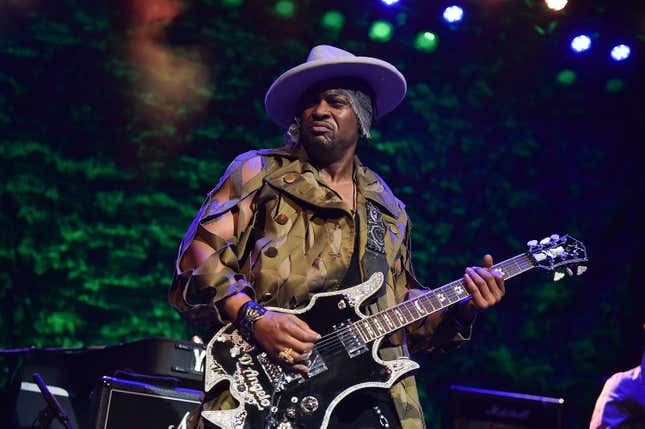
(118, 117)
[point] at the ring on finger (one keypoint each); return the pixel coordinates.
(287, 355)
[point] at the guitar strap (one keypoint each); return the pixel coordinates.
(374, 260)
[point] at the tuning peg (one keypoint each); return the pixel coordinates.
(569, 271)
(532, 243)
(555, 237)
(557, 276)
(545, 240)
(581, 269)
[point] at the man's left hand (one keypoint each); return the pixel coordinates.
(486, 287)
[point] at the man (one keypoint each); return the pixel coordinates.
(621, 404)
(287, 223)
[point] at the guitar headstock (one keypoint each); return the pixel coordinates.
(555, 251)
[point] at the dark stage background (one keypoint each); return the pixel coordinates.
(117, 118)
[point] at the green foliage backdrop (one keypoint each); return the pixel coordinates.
(117, 119)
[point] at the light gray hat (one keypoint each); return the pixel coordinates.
(327, 62)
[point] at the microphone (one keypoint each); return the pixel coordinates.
(53, 406)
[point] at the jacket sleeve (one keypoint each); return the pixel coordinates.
(195, 292)
(441, 332)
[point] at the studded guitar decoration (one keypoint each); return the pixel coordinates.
(345, 358)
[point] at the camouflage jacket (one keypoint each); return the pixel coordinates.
(299, 241)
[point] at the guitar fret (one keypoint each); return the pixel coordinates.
(427, 303)
(377, 323)
(434, 300)
(413, 309)
(361, 330)
(418, 307)
(388, 319)
(406, 312)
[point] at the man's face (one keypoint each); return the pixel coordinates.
(329, 124)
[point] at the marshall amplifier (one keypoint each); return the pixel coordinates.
(485, 409)
(119, 403)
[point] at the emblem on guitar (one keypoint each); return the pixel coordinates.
(346, 358)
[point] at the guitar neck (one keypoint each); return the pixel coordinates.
(388, 321)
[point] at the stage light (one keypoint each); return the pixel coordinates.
(556, 4)
(333, 20)
(566, 77)
(426, 42)
(581, 43)
(285, 8)
(620, 52)
(453, 14)
(614, 85)
(389, 2)
(380, 31)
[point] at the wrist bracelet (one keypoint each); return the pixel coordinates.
(249, 313)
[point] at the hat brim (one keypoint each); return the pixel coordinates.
(387, 83)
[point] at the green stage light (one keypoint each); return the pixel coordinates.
(232, 3)
(426, 42)
(380, 31)
(566, 77)
(614, 85)
(333, 20)
(285, 8)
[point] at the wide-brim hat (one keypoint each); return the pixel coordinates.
(327, 62)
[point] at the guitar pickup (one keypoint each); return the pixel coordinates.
(350, 339)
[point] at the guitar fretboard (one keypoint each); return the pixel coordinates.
(387, 321)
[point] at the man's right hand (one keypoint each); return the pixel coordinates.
(276, 332)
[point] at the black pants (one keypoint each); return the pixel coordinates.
(357, 411)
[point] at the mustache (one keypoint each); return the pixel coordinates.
(324, 124)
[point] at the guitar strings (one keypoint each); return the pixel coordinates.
(332, 341)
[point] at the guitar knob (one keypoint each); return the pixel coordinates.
(290, 413)
(555, 237)
(545, 240)
(309, 405)
(532, 243)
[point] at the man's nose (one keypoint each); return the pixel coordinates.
(320, 110)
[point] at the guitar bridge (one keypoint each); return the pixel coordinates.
(315, 363)
(350, 339)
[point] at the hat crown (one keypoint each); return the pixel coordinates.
(327, 52)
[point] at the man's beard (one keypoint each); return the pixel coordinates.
(323, 148)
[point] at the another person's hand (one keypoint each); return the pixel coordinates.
(288, 339)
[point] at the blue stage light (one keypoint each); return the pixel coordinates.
(390, 2)
(581, 43)
(620, 52)
(453, 14)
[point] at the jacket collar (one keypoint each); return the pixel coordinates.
(298, 178)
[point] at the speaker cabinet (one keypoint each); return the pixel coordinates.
(493, 409)
(118, 403)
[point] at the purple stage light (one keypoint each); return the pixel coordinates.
(453, 14)
(581, 43)
(620, 52)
